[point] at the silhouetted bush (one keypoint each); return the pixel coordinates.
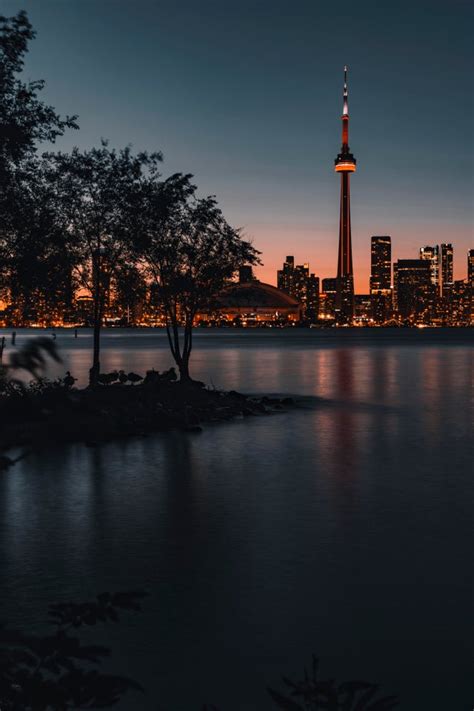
(57, 671)
(311, 694)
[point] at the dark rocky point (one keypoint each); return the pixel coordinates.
(50, 412)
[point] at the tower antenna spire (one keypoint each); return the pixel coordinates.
(345, 110)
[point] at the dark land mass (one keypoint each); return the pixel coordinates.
(44, 414)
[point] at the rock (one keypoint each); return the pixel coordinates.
(236, 395)
(192, 428)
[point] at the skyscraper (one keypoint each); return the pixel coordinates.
(345, 164)
(470, 267)
(380, 277)
(303, 286)
(413, 287)
(447, 278)
(431, 254)
(380, 264)
(327, 304)
(286, 276)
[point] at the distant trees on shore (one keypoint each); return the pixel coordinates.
(101, 220)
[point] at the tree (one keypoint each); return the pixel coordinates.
(190, 252)
(130, 292)
(57, 671)
(96, 193)
(37, 277)
(24, 119)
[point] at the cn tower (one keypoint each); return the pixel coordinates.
(345, 164)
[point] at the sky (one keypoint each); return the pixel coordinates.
(247, 96)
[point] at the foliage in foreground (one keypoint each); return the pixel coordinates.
(311, 694)
(31, 358)
(58, 672)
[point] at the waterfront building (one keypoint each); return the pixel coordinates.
(414, 290)
(380, 277)
(253, 303)
(431, 255)
(345, 164)
(380, 264)
(286, 276)
(462, 303)
(447, 278)
(362, 308)
(470, 267)
(298, 282)
(327, 300)
(84, 309)
(329, 285)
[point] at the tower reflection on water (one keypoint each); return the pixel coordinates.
(329, 528)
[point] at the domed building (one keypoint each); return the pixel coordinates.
(253, 302)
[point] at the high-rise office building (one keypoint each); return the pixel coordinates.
(362, 307)
(329, 285)
(461, 303)
(298, 282)
(380, 277)
(414, 290)
(327, 301)
(286, 276)
(470, 267)
(380, 264)
(345, 164)
(447, 279)
(431, 255)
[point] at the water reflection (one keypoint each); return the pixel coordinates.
(335, 528)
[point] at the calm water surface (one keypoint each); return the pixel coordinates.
(341, 528)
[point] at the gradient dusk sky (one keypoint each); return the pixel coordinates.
(247, 96)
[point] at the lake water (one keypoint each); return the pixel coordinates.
(340, 528)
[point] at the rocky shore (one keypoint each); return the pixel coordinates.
(55, 413)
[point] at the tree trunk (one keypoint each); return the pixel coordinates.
(98, 310)
(180, 354)
(183, 366)
(184, 375)
(95, 370)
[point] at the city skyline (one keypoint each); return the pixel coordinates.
(444, 253)
(258, 128)
(235, 380)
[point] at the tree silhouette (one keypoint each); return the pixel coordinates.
(37, 277)
(24, 119)
(190, 252)
(58, 671)
(130, 291)
(26, 264)
(312, 694)
(96, 192)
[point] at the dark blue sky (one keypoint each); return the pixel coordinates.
(247, 96)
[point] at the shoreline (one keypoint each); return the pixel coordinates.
(38, 417)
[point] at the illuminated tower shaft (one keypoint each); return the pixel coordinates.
(345, 164)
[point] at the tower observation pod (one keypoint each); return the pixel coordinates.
(345, 164)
